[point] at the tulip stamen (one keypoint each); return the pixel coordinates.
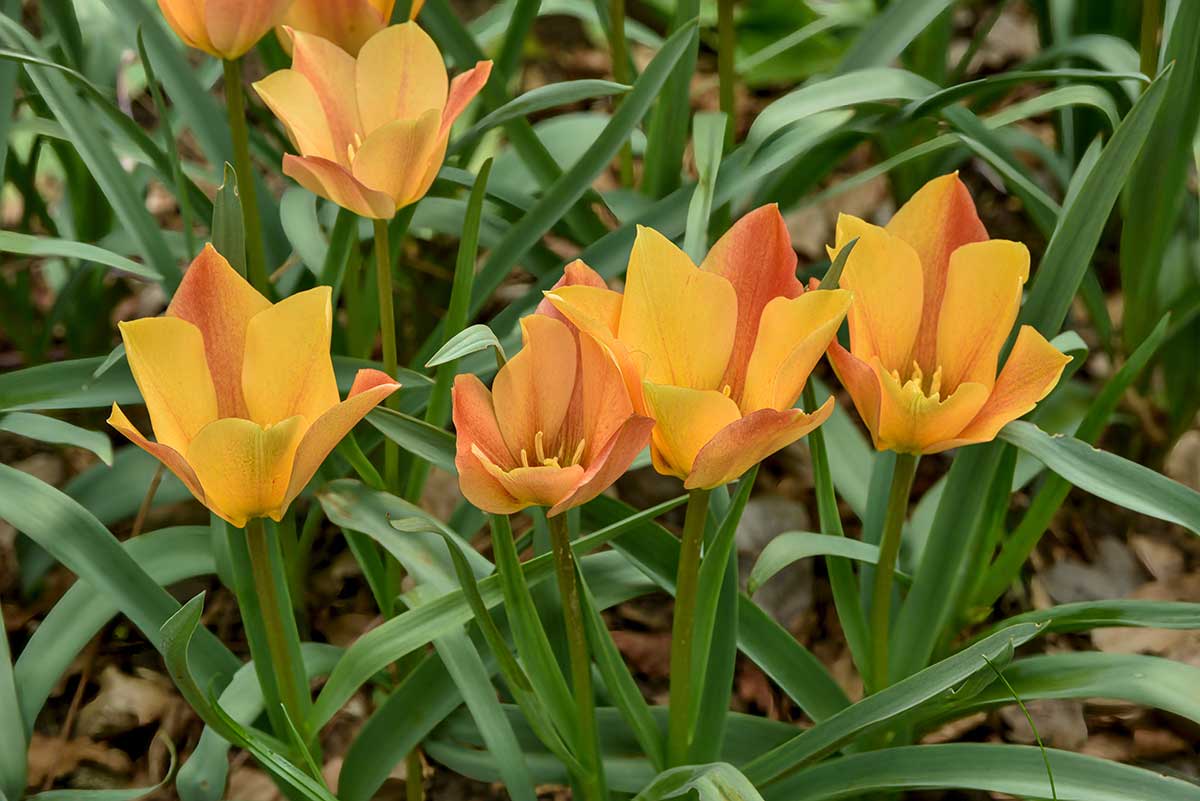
(352, 148)
(538, 443)
(524, 458)
(575, 457)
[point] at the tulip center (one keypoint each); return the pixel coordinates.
(930, 386)
(352, 148)
(560, 458)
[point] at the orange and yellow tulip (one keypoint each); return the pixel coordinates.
(222, 28)
(346, 23)
(934, 303)
(556, 430)
(241, 393)
(372, 131)
(717, 354)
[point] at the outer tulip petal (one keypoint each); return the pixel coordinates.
(609, 463)
(370, 388)
(463, 89)
(220, 302)
(333, 182)
(244, 468)
(330, 71)
(171, 458)
(686, 420)
(600, 403)
(681, 318)
(287, 370)
(533, 391)
(884, 274)
(413, 10)
(544, 485)
(395, 158)
(235, 26)
(792, 335)
(294, 100)
(744, 443)
(756, 256)
(596, 311)
(346, 23)
(862, 382)
(983, 296)
(478, 440)
(913, 422)
(400, 76)
(186, 18)
(577, 273)
(166, 356)
(936, 221)
(1032, 370)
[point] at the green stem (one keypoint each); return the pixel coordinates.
(686, 583)
(592, 784)
(889, 548)
(387, 332)
(1152, 17)
(726, 45)
(619, 51)
(293, 686)
(235, 105)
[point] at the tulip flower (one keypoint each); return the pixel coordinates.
(346, 23)
(556, 430)
(717, 354)
(241, 393)
(371, 131)
(934, 303)
(222, 28)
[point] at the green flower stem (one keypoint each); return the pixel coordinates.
(235, 105)
(293, 686)
(592, 784)
(726, 46)
(889, 548)
(682, 631)
(387, 332)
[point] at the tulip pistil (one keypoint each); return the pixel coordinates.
(930, 388)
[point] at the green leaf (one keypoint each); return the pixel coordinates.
(433, 444)
(1010, 769)
(713, 782)
(57, 432)
(228, 228)
(792, 546)
(470, 340)
(1108, 476)
(49, 247)
(298, 214)
(13, 765)
(667, 131)
(1088, 615)
(951, 94)
(890, 32)
(889, 704)
(708, 139)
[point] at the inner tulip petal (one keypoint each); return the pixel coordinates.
(686, 420)
(913, 422)
(744, 443)
(533, 391)
(396, 157)
(400, 75)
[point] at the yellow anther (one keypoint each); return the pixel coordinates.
(578, 452)
(538, 439)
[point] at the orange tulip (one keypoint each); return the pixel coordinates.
(222, 28)
(346, 23)
(934, 303)
(241, 393)
(719, 354)
(556, 430)
(372, 131)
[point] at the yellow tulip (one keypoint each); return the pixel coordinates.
(222, 28)
(346, 23)
(372, 131)
(934, 303)
(241, 393)
(717, 354)
(557, 428)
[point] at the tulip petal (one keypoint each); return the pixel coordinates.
(596, 311)
(533, 391)
(400, 76)
(686, 420)
(171, 458)
(756, 256)
(1031, 371)
(744, 443)
(577, 273)
(244, 468)
(862, 382)
(463, 89)
(884, 274)
(479, 484)
(600, 403)
(186, 18)
(543, 485)
(235, 26)
(681, 318)
(912, 422)
(220, 302)
(294, 100)
(287, 369)
(983, 296)
(330, 71)
(334, 182)
(478, 439)
(413, 9)
(609, 463)
(369, 389)
(346, 23)
(792, 335)
(395, 158)
(166, 356)
(938, 220)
